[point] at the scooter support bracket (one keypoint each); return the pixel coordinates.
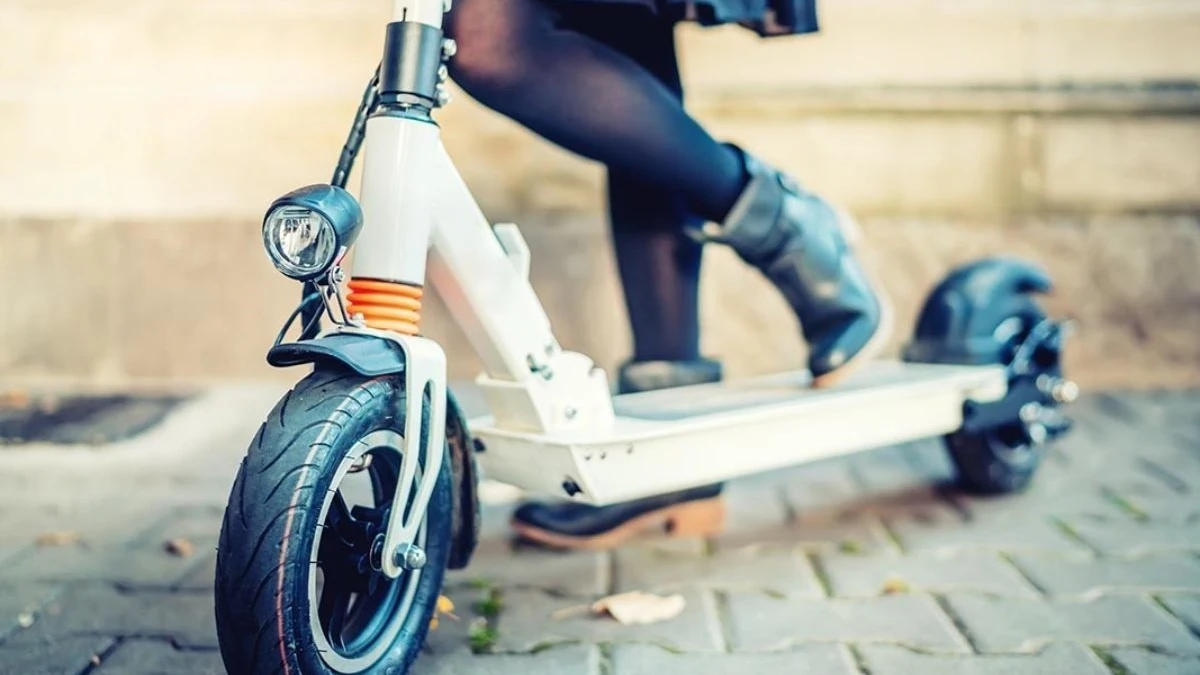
(424, 438)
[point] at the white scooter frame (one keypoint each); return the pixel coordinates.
(555, 427)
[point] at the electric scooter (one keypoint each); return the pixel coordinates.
(359, 490)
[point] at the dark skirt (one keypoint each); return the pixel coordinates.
(766, 17)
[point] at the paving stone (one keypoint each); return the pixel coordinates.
(63, 656)
(1016, 625)
(25, 599)
(1186, 608)
(128, 567)
(763, 623)
(781, 569)
(1062, 577)
(944, 530)
(1142, 662)
(821, 487)
(155, 657)
(201, 526)
(1158, 506)
(1055, 659)
(1138, 538)
(899, 469)
(202, 575)
(530, 620)
(185, 618)
(754, 507)
(562, 660)
(825, 531)
(807, 660)
(497, 562)
(865, 576)
(452, 634)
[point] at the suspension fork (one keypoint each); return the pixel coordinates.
(400, 142)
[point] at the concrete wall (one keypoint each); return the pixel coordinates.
(140, 141)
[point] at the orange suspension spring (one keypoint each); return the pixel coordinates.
(385, 305)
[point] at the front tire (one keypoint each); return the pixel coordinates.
(287, 530)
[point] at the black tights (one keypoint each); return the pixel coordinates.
(603, 81)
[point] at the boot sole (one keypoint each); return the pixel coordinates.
(883, 332)
(702, 518)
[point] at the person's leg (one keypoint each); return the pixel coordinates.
(591, 99)
(659, 267)
(515, 57)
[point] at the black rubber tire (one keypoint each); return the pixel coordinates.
(996, 462)
(261, 595)
(982, 470)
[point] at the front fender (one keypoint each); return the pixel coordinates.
(372, 357)
(957, 323)
(366, 355)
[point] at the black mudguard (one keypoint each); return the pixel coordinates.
(371, 357)
(957, 322)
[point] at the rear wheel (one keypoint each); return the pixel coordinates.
(1002, 444)
(299, 589)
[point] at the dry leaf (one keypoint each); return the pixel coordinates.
(445, 606)
(893, 585)
(179, 547)
(63, 538)
(640, 608)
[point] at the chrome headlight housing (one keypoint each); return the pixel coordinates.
(306, 231)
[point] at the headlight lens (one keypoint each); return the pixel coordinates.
(301, 242)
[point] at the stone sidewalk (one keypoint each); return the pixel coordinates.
(860, 566)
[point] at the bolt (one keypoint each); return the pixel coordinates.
(1037, 434)
(572, 488)
(1030, 412)
(570, 413)
(1065, 391)
(449, 48)
(409, 557)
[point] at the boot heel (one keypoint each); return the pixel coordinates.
(696, 519)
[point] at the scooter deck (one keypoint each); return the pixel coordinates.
(689, 436)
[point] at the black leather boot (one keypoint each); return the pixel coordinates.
(695, 512)
(803, 244)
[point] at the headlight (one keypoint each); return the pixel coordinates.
(306, 231)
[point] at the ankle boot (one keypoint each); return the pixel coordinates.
(803, 244)
(694, 512)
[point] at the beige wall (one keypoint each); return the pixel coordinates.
(140, 141)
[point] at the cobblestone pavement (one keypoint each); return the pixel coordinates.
(860, 566)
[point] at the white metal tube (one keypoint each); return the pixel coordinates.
(397, 199)
(428, 12)
(482, 287)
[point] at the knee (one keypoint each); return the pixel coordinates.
(491, 58)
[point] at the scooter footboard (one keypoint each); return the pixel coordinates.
(690, 436)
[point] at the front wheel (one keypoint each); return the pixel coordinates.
(298, 585)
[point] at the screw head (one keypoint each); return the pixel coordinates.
(1065, 391)
(1030, 412)
(409, 557)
